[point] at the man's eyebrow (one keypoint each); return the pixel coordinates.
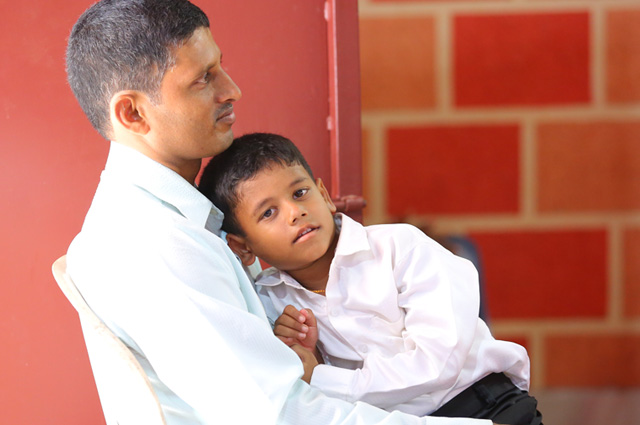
(207, 67)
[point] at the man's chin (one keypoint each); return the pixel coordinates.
(226, 141)
(222, 143)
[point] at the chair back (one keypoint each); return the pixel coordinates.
(126, 395)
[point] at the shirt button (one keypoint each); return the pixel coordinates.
(364, 349)
(335, 312)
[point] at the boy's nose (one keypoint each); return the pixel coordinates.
(295, 212)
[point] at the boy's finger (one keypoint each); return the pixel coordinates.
(290, 322)
(283, 331)
(293, 312)
(310, 318)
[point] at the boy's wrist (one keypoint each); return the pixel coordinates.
(318, 355)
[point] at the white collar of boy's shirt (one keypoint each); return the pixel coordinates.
(125, 163)
(352, 239)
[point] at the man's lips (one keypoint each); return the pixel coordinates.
(302, 233)
(226, 114)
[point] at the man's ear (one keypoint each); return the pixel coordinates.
(239, 247)
(326, 196)
(126, 110)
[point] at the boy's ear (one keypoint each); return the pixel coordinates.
(326, 196)
(126, 107)
(239, 247)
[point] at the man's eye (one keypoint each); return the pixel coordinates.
(268, 213)
(300, 193)
(205, 79)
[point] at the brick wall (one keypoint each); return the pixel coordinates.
(517, 122)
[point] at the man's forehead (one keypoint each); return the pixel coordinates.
(200, 51)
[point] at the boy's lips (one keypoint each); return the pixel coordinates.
(305, 231)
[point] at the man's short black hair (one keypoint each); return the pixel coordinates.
(126, 45)
(243, 160)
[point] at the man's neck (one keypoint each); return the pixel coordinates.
(188, 170)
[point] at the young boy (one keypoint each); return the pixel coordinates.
(391, 315)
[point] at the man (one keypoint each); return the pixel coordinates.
(149, 259)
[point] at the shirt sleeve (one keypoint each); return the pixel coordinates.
(439, 293)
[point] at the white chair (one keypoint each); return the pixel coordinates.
(126, 394)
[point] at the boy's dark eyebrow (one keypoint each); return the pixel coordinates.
(258, 209)
(298, 181)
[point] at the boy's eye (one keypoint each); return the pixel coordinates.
(300, 193)
(268, 213)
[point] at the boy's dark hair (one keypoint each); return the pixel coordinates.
(243, 160)
(125, 45)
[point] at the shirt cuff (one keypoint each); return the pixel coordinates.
(333, 381)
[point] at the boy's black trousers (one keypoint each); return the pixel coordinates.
(493, 397)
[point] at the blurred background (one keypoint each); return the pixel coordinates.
(517, 124)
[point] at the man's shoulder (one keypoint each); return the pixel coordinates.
(122, 206)
(127, 223)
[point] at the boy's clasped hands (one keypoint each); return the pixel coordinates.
(299, 330)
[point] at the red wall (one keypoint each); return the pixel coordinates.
(52, 159)
(518, 124)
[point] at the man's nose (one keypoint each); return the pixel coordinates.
(228, 90)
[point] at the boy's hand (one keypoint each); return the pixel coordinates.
(309, 361)
(297, 327)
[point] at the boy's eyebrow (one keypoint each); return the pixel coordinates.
(298, 181)
(258, 209)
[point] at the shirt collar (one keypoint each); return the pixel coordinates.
(353, 236)
(352, 239)
(128, 164)
(273, 277)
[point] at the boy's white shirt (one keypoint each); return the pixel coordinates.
(399, 325)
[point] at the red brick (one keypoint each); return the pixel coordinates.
(526, 59)
(623, 55)
(592, 360)
(589, 166)
(631, 295)
(397, 63)
(452, 169)
(544, 274)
